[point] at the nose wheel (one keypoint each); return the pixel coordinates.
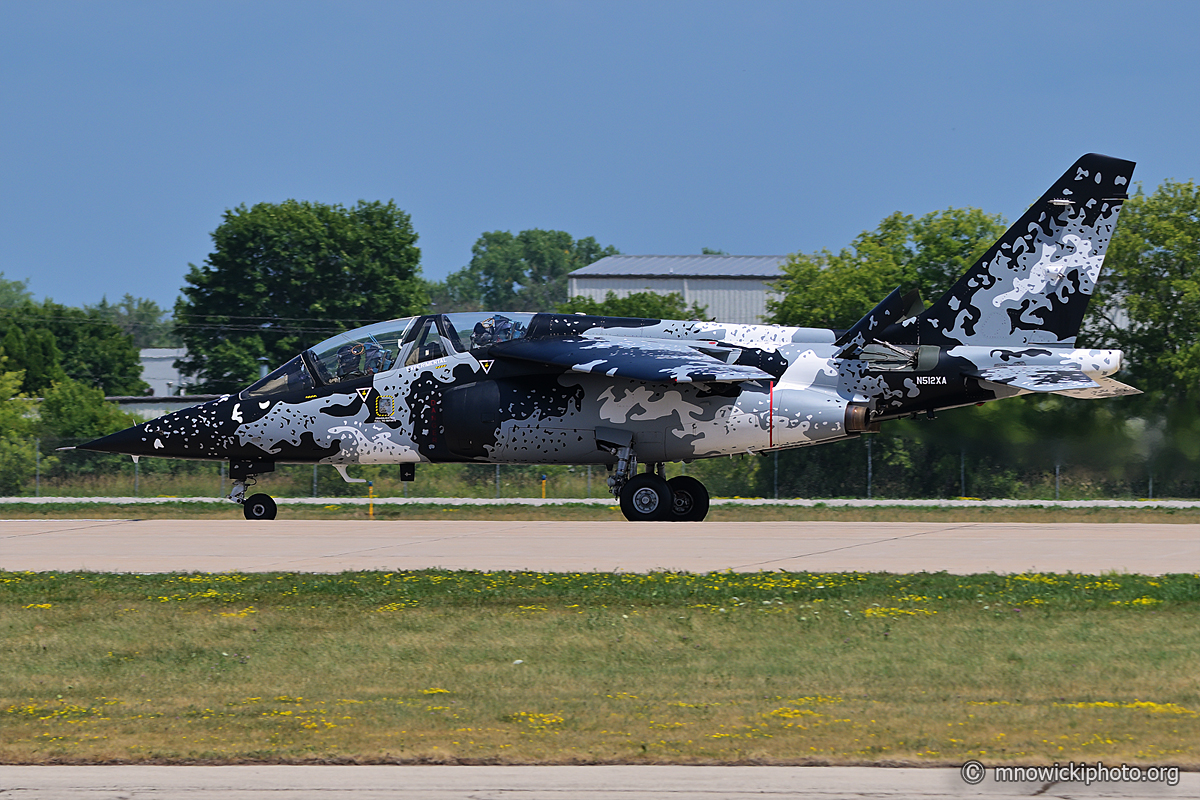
(259, 506)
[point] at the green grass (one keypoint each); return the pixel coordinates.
(657, 668)
(203, 479)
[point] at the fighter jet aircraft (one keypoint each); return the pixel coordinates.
(521, 388)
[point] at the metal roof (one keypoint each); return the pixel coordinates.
(685, 266)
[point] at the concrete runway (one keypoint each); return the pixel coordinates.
(322, 546)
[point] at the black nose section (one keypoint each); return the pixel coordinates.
(203, 431)
(133, 441)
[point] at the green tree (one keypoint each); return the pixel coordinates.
(72, 413)
(14, 293)
(526, 272)
(1148, 303)
(834, 290)
(650, 305)
(55, 341)
(283, 276)
(461, 291)
(147, 323)
(945, 244)
(34, 353)
(76, 411)
(17, 437)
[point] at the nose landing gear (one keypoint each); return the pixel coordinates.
(259, 506)
(244, 473)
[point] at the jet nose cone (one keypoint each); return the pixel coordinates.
(133, 441)
(203, 431)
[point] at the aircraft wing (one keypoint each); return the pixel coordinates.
(639, 359)
(1058, 380)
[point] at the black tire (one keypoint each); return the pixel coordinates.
(646, 498)
(259, 506)
(689, 499)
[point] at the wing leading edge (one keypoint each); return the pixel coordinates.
(656, 362)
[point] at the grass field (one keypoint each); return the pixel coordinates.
(718, 513)
(473, 667)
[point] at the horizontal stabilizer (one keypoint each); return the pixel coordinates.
(1106, 387)
(1039, 378)
(1058, 380)
(659, 362)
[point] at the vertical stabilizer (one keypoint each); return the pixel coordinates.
(1034, 284)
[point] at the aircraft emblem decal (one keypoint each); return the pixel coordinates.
(364, 393)
(486, 363)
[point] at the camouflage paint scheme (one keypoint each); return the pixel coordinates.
(560, 388)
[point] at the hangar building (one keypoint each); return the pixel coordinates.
(734, 288)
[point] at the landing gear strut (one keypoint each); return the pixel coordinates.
(244, 475)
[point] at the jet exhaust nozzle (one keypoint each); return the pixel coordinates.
(858, 419)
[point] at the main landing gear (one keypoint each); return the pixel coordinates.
(649, 496)
(244, 475)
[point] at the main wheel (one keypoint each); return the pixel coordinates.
(689, 499)
(259, 506)
(646, 498)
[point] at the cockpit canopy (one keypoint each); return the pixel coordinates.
(388, 345)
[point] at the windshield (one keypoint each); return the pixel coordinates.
(362, 351)
(291, 377)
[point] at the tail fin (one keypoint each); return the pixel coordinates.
(1034, 284)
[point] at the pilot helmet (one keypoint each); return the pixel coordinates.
(483, 333)
(347, 357)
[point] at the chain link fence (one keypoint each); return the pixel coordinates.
(905, 461)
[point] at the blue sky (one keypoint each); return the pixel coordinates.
(657, 127)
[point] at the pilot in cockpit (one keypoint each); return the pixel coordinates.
(375, 358)
(360, 358)
(348, 357)
(493, 330)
